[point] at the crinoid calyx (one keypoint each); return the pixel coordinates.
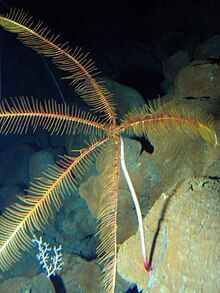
(104, 131)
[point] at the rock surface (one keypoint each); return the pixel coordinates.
(125, 97)
(208, 49)
(90, 189)
(39, 162)
(200, 79)
(80, 275)
(37, 284)
(173, 64)
(151, 174)
(183, 233)
(77, 276)
(75, 228)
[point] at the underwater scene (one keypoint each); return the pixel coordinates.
(109, 146)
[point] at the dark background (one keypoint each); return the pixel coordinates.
(128, 39)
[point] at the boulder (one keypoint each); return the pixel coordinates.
(172, 159)
(173, 64)
(208, 49)
(199, 79)
(126, 98)
(75, 227)
(37, 284)
(39, 162)
(182, 236)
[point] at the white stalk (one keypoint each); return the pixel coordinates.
(137, 206)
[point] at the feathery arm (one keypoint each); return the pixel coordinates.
(159, 119)
(16, 115)
(82, 71)
(107, 216)
(33, 211)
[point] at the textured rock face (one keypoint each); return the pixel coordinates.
(76, 228)
(80, 276)
(205, 77)
(37, 284)
(173, 64)
(39, 162)
(125, 97)
(186, 252)
(208, 49)
(139, 171)
(77, 275)
(172, 159)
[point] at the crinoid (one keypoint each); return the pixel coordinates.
(105, 131)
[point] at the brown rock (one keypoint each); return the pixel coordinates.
(173, 160)
(186, 251)
(81, 276)
(198, 80)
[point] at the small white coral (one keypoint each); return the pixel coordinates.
(51, 263)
